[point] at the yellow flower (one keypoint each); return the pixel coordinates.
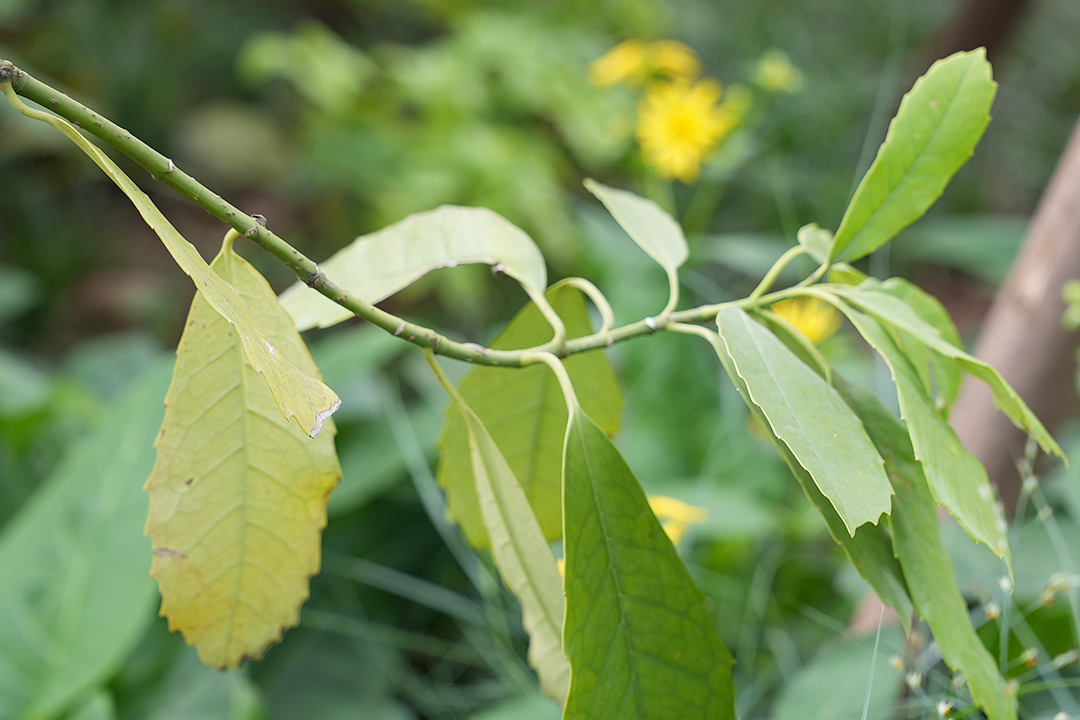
(633, 62)
(679, 123)
(775, 73)
(816, 319)
(675, 516)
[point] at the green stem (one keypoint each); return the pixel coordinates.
(607, 315)
(777, 268)
(165, 170)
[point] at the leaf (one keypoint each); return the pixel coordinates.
(895, 313)
(295, 393)
(376, 266)
(653, 229)
(816, 240)
(99, 707)
(939, 123)
(812, 420)
(520, 549)
(940, 376)
(525, 413)
(835, 681)
(957, 480)
(74, 594)
(238, 494)
(927, 566)
(869, 549)
(638, 632)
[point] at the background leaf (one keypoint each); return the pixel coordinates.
(926, 562)
(376, 266)
(812, 420)
(74, 594)
(638, 633)
(653, 229)
(525, 413)
(238, 494)
(935, 131)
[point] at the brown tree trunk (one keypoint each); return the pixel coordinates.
(1022, 335)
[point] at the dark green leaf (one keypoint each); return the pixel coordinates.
(925, 559)
(806, 413)
(933, 134)
(638, 634)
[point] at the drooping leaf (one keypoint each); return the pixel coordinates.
(525, 413)
(869, 549)
(941, 376)
(935, 131)
(376, 266)
(895, 313)
(957, 480)
(647, 223)
(521, 552)
(929, 571)
(296, 394)
(823, 434)
(74, 594)
(238, 495)
(638, 633)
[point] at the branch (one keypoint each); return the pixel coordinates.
(165, 170)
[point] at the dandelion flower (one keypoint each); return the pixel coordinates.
(814, 318)
(634, 62)
(679, 123)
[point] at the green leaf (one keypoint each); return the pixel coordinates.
(296, 394)
(520, 549)
(74, 594)
(933, 134)
(815, 239)
(99, 707)
(917, 538)
(835, 682)
(653, 229)
(638, 632)
(869, 549)
(806, 413)
(895, 313)
(376, 266)
(238, 494)
(526, 415)
(957, 480)
(940, 376)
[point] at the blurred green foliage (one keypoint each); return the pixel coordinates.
(337, 117)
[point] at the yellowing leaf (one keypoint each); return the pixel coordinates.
(238, 494)
(296, 394)
(376, 266)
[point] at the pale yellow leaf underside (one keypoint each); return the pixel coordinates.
(238, 494)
